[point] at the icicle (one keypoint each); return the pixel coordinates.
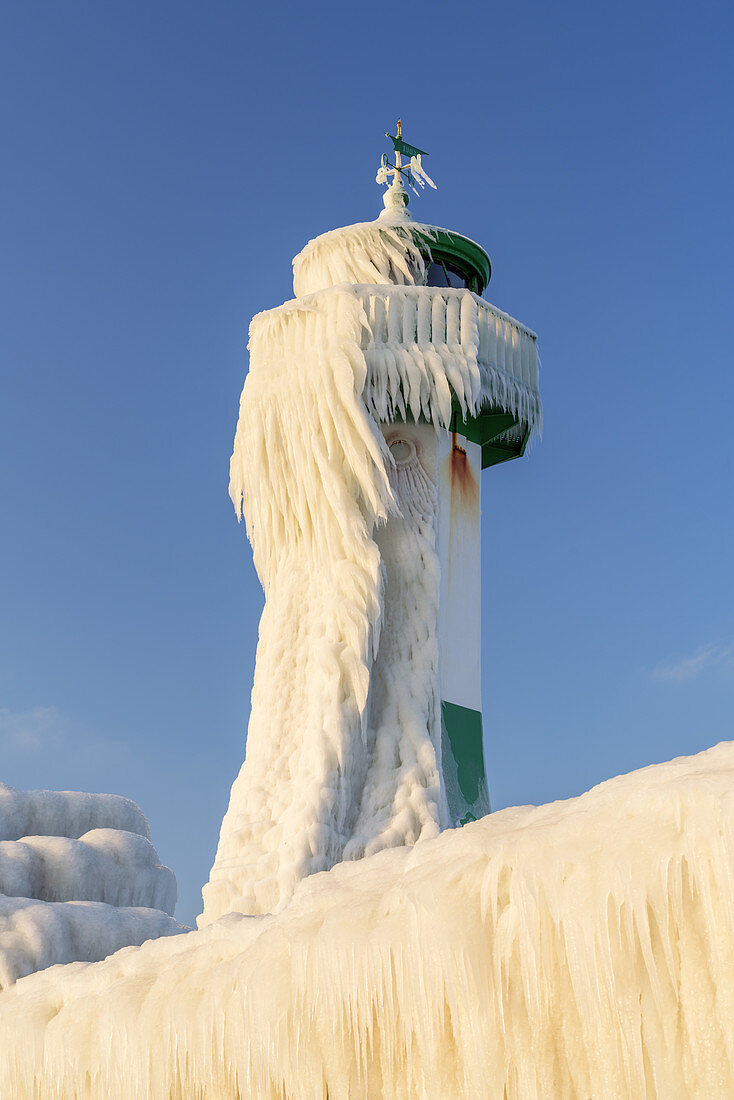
(419, 172)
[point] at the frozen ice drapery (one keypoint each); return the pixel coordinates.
(385, 251)
(402, 799)
(316, 484)
(309, 474)
(578, 949)
(365, 345)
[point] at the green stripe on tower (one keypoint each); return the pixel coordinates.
(463, 763)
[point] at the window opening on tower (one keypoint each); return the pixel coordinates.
(440, 273)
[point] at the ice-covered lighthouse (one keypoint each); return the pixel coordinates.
(373, 402)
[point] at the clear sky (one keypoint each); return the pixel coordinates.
(162, 164)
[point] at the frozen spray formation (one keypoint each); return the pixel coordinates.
(79, 879)
(579, 949)
(344, 740)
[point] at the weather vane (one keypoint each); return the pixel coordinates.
(413, 172)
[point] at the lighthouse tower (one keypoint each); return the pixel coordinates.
(373, 402)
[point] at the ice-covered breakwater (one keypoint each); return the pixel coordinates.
(579, 949)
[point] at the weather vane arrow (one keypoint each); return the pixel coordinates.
(401, 146)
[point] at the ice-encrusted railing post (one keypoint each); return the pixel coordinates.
(456, 322)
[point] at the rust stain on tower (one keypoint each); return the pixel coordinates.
(464, 486)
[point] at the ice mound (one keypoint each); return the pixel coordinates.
(66, 813)
(106, 865)
(579, 949)
(37, 934)
(79, 879)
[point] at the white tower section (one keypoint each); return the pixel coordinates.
(372, 401)
(459, 552)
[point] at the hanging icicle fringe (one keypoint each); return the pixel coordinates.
(422, 345)
(412, 351)
(348, 358)
(427, 347)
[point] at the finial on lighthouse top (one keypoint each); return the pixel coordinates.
(396, 197)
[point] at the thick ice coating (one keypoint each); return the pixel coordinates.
(578, 949)
(369, 252)
(343, 745)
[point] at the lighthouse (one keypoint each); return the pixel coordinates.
(374, 401)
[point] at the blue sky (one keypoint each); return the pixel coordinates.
(163, 163)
